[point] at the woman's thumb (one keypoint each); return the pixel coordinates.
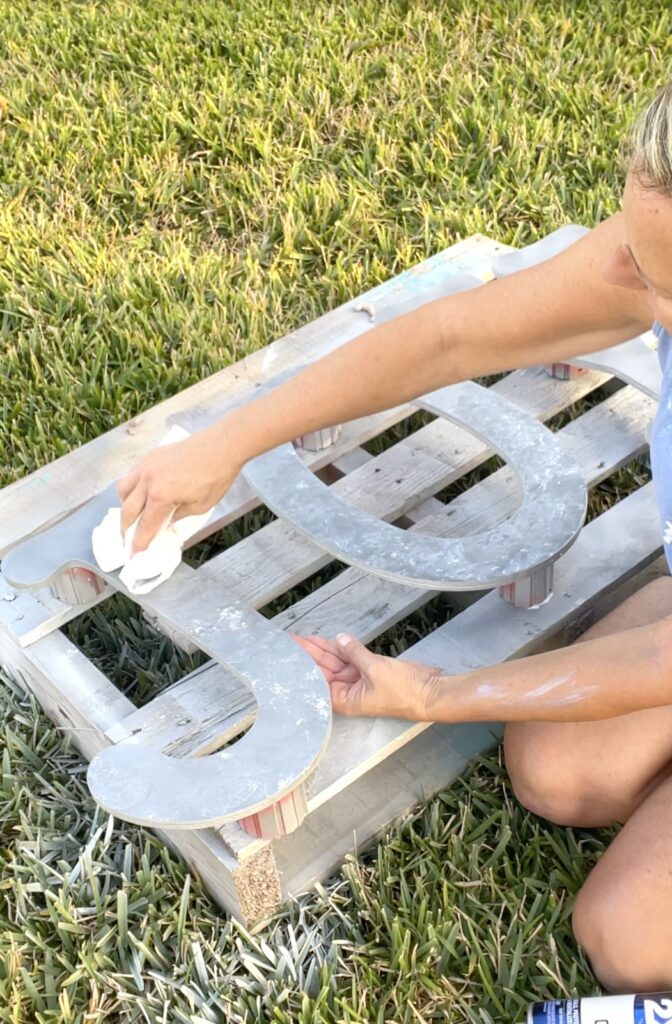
(354, 652)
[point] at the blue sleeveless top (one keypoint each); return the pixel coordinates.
(661, 441)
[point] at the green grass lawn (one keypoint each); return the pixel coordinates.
(182, 183)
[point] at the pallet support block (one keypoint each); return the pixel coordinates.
(78, 586)
(319, 440)
(564, 371)
(532, 591)
(278, 819)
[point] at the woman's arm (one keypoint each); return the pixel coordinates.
(557, 309)
(560, 308)
(601, 678)
(593, 679)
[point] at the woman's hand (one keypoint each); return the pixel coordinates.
(362, 683)
(176, 480)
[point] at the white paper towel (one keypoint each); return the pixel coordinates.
(147, 569)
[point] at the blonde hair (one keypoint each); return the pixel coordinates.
(650, 149)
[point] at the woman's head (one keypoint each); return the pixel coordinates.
(644, 261)
(650, 156)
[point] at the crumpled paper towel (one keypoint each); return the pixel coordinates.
(145, 570)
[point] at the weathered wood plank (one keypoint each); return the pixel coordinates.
(72, 691)
(412, 774)
(23, 613)
(193, 716)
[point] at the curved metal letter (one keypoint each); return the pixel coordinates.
(544, 249)
(293, 721)
(546, 523)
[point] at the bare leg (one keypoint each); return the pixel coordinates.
(594, 773)
(623, 913)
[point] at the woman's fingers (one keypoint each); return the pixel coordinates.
(314, 644)
(132, 506)
(303, 641)
(356, 654)
(155, 515)
(327, 661)
(346, 699)
(325, 655)
(128, 483)
(315, 641)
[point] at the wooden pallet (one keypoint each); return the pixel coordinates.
(374, 769)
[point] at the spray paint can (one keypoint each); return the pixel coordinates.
(654, 1008)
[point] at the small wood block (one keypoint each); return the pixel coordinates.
(532, 591)
(318, 440)
(564, 371)
(77, 586)
(280, 818)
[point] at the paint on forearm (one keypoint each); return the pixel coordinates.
(554, 692)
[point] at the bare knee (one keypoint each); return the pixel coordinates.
(648, 604)
(619, 939)
(659, 591)
(546, 780)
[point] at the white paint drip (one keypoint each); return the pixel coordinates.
(545, 693)
(574, 698)
(549, 686)
(533, 607)
(319, 704)
(231, 618)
